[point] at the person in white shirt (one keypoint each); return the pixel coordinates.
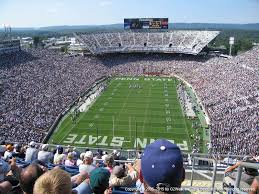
(44, 155)
(8, 154)
(87, 165)
(31, 152)
(80, 159)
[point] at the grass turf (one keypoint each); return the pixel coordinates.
(131, 112)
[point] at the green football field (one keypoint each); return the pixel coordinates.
(130, 113)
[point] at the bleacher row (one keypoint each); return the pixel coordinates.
(188, 42)
(210, 167)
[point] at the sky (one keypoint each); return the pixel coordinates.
(39, 13)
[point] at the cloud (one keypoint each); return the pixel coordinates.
(105, 3)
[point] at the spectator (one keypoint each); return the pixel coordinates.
(5, 187)
(59, 157)
(120, 177)
(80, 159)
(4, 169)
(28, 177)
(255, 186)
(109, 162)
(116, 155)
(44, 155)
(2, 150)
(31, 152)
(248, 175)
(55, 181)
(226, 88)
(104, 155)
(87, 165)
(70, 160)
(76, 153)
(98, 183)
(99, 180)
(9, 152)
(19, 151)
(162, 167)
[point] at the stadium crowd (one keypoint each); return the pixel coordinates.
(35, 91)
(41, 169)
(228, 89)
(171, 41)
(63, 171)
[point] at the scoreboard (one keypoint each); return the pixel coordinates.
(146, 23)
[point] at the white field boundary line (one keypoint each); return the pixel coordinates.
(146, 108)
(59, 125)
(69, 131)
(187, 132)
(80, 118)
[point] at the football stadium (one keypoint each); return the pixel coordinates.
(140, 109)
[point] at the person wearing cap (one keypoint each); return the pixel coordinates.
(31, 152)
(162, 167)
(9, 152)
(104, 154)
(87, 165)
(108, 162)
(97, 184)
(59, 157)
(116, 155)
(19, 151)
(76, 153)
(44, 155)
(123, 177)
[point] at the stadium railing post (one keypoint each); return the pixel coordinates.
(214, 174)
(213, 178)
(238, 178)
(193, 161)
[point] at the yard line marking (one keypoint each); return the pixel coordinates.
(126, 132)
(125, 102)
(147, 106)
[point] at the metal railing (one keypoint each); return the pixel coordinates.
(239, 173)
(213, 178)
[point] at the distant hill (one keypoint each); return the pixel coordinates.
(82, 27)
(200, 26)
(214, 26)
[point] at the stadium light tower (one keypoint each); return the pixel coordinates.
(231, 43)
